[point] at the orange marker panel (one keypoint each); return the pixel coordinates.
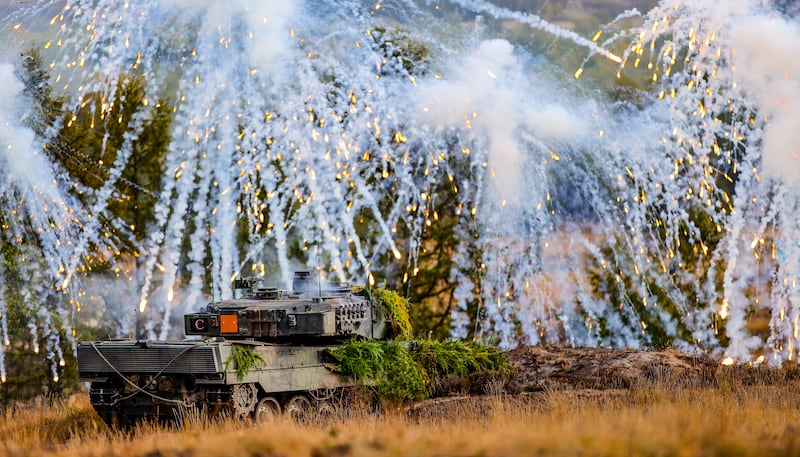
(229, 323)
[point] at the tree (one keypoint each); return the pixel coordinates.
(90, 144)
(85, 143)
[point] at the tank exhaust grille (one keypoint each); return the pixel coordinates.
(146, 358)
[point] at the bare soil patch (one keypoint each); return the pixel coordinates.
(542, 368)
(593, 375)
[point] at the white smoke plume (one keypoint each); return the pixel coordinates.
(25, 164)
(268, 24)
(766, 59)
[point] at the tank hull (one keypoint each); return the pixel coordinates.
(131, 380)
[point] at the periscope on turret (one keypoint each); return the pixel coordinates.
(260, 355)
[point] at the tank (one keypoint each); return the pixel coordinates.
(258, 356)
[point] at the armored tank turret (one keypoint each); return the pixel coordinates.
(258, 356)
(305, 314)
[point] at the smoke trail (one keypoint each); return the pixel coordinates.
(36, 225)
(482, 84)
(535, 21)
(321, 133)
(28, 167)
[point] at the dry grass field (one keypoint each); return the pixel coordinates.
(707, 410)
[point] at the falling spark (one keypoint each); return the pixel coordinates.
(353, 164)
(724, 310)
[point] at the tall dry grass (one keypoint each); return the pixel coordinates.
(756, 420)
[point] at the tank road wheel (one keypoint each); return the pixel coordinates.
(267, 410)
(298, 408)
(243, 399)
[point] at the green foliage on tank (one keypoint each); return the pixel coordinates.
(440, 358)
(244, 359)
(385, 365)
(396, 307)
(401, 371)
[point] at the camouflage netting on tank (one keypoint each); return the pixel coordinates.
(412, 370)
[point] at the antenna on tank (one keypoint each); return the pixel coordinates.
(319, 281)
(319, 269)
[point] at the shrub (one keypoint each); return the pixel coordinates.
(401, 371)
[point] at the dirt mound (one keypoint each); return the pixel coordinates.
(539, 368)
(547, 368)
(594, 375)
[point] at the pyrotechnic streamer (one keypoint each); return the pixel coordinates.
(319, 132)
(726, 68)
(38, 222)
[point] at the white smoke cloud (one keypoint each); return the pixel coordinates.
(555, 122)
(272, 19)
(490, 91)
(481, 91)
(26, 163)
(768, 61)
(13, 139)
(267, 20)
